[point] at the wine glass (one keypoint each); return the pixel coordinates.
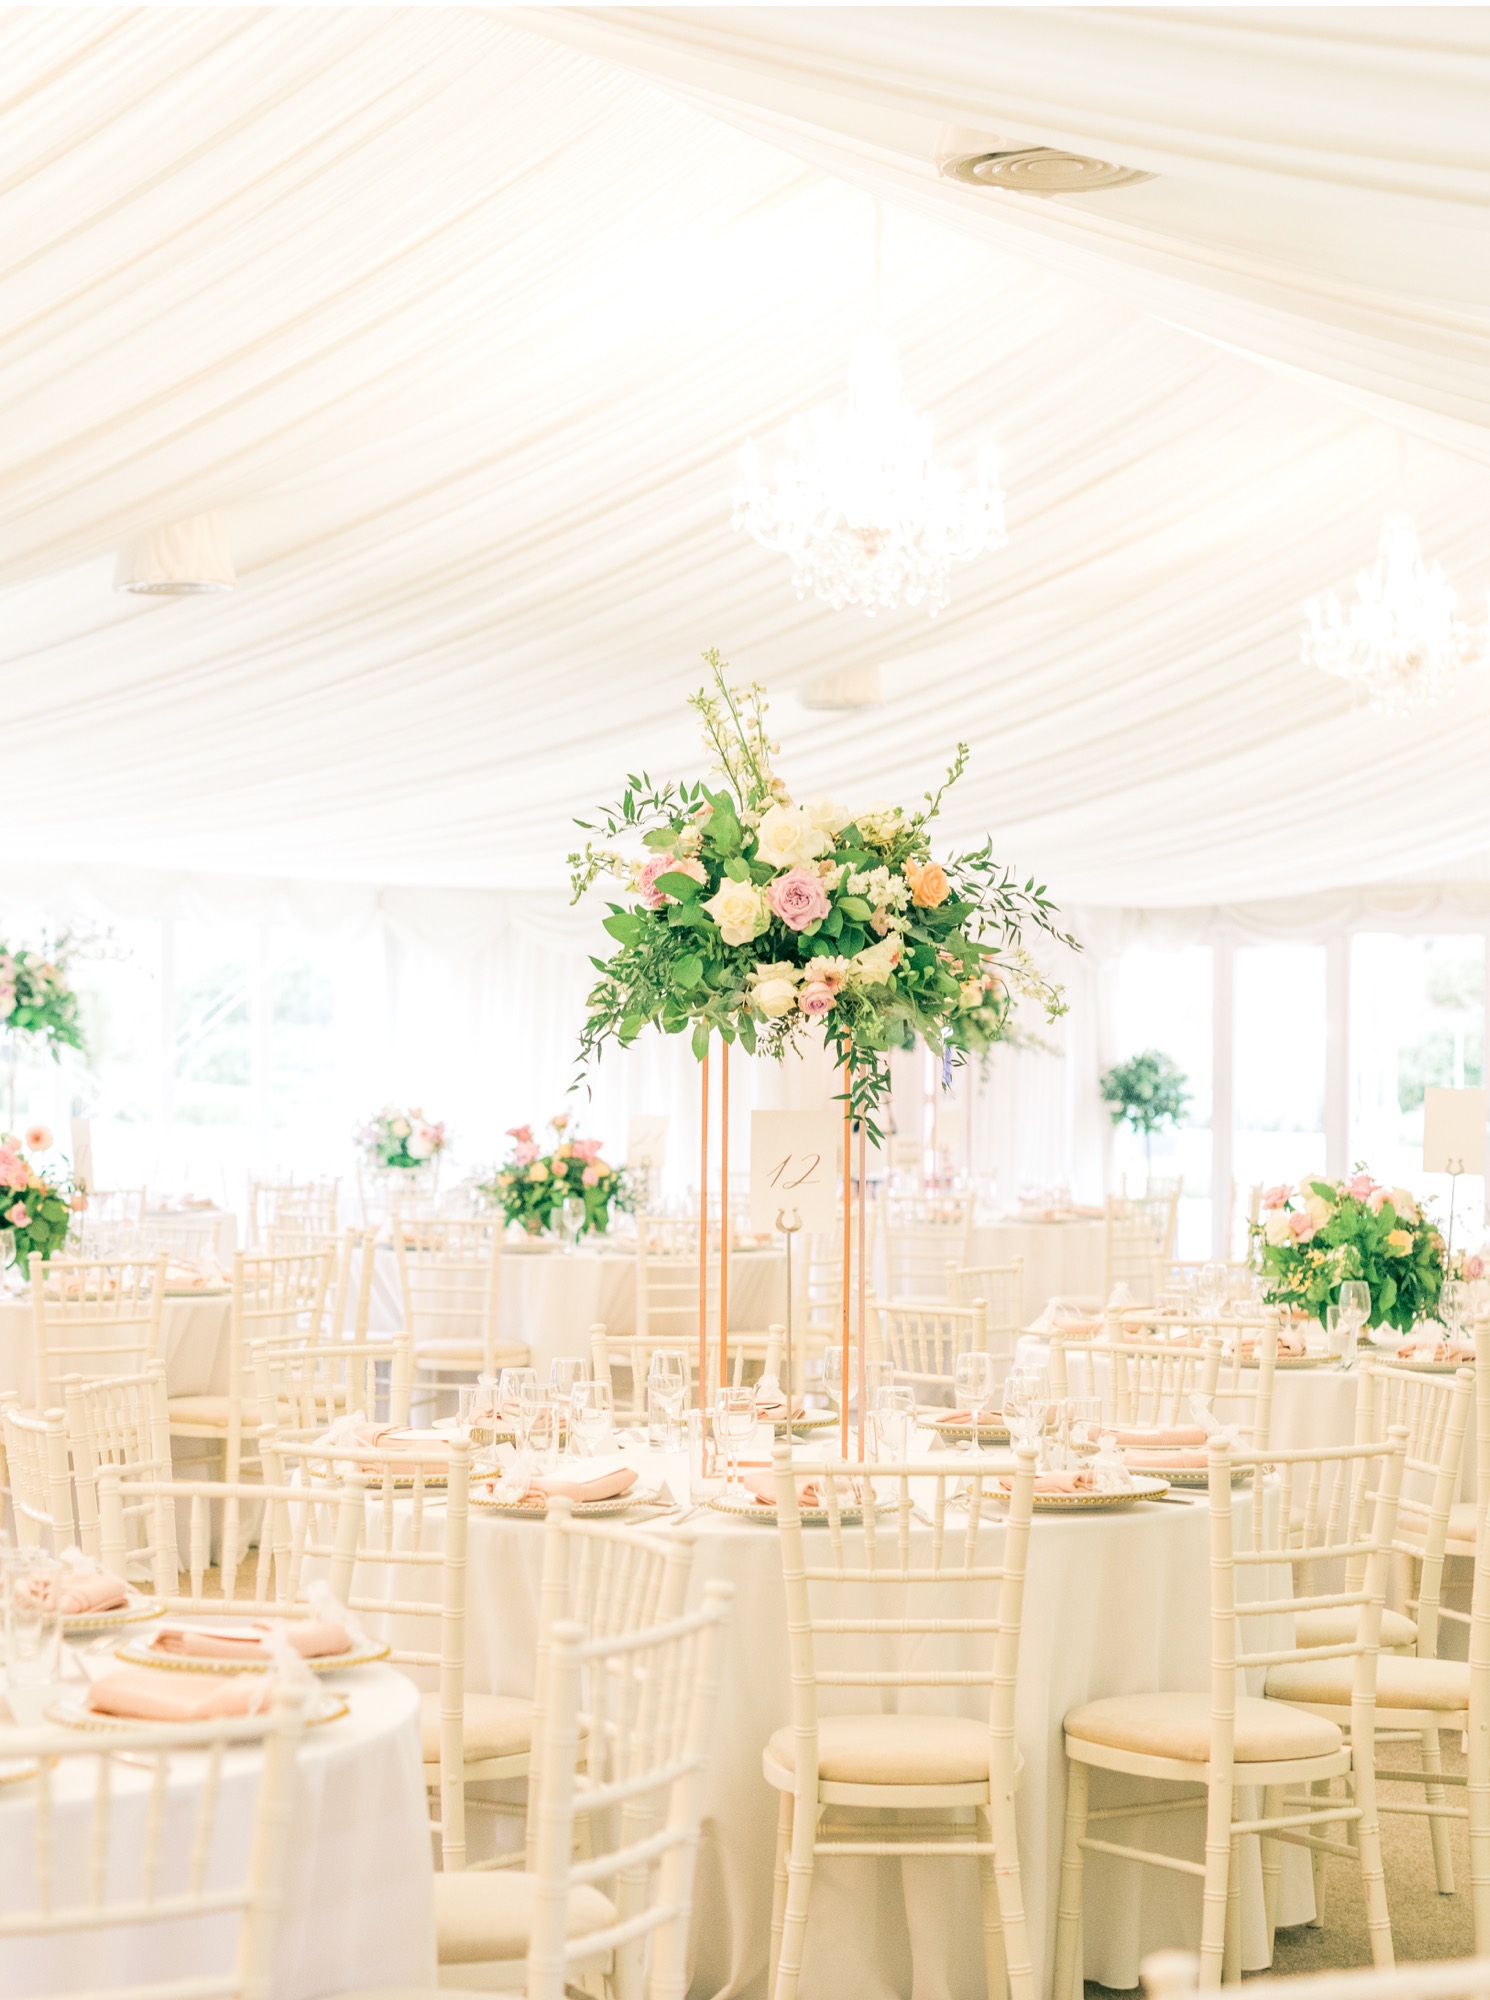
(667, 1384)
(834, 1387)
(516, 1388)
(1210, 1290)
(894, 1417)
(590, 1413)
(972, 1383)
(565, 1373)
(1355, 1309)
(734, 1425)
(1031, 1402)
(1453, 1307)
(1083, 1429)
(572, 1220)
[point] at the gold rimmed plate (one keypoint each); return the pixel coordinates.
(142, 1653)
(73, 1712)
(806, 1425)
(16, 1770)
(139, 1611)
(534, 1510)
(1143, 1488)
(986, 1433)
(812, 1517)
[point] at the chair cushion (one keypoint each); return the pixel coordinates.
(490, 1916)
(1400, 1682)
(469, 1354)
(211, 1410)
(1179, 1726)
(893, 1749)
(496, 1725)
(1338, 1628)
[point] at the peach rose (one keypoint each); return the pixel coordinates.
(929, 884)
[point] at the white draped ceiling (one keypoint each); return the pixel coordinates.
(460, 316)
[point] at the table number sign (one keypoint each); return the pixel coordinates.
(1453, 1131)
(82, 1152)
(794, 1164)
(646, 1143)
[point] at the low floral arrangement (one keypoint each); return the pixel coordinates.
(533, 1185)
(36, 999)
(1314, 1236)
(403, 1139)
(753, 916)
(36, 1203)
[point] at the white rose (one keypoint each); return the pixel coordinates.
(1318, 1210)
(1406, 1207)
(774, 997)
(875, 963)
(400, 1128)
(419, 1147)
(740, 911)
(827, 815)
(1275, 1226)
(786, 838)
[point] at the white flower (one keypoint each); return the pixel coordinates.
(739, 909)
(1318, 1210)
(879, 823)
(400, 1128)
(875, 963)
(1406, 1207)
(773, 997)
(1276, 1227)
(786, 838)
(827, 815)
(418, 1147)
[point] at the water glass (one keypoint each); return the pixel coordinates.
(515, 1388)
(590, 1414)
(667, 1384)
(1210, 1290)
(703, 1457)
(1083, 1430)
(894, 1420)
(1453, 1306)
(734, 1425)
(1355, 1309)
(833, 1383)
(33, 1618)
(572, 1220)
(972, 1383)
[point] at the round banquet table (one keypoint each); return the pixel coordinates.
(1114, 1604)
(551, 1298)
(359, 1895)
(1063, 1259)
(194, 1335)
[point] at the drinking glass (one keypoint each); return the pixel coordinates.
(734, 1425)
(33, 1618)
(590, 1413)
(1453, 1306)
(1083, 1429)
(1355, 1309)
(972, 1383)
(894, 1420)
(515, 1387)
(667, 1383)
(572, 1220)
(833, 1383)
(1037, 1410)
(465, 1408)
(1210, 1290)
(1334, 1335)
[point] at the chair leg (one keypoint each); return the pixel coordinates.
(778, 1885)
(1272, 1863)
(1231, 1956)
(1217, 1876)
(1019, 1968)
(806, 1813)
(1068, 1909)
(1373, 1877)
(995, 1965)
(1318, 1862)
(1478, 1800)
(1438, 1828)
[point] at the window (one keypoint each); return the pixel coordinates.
(1163, 1001)
(1278, 1063)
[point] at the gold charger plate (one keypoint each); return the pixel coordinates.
(1143, 1488)
(964, 1433)
(1196, 1476)
(814, 1420)
(16, 1770)
(142, 1653)
(138, 1611)
(534, 1510)
(72, 1711)
(765, 1510)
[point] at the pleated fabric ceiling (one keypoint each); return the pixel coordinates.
(456, 320)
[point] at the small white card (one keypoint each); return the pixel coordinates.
(82, 1152)
(1453, 1131)
(646, 1143)
(794, 1165)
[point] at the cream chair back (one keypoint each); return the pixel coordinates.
(121, 1421)
(265, 1194)
(1433, 1411)
(1140, 1384)
(624, 1360)
(131, 1881)
(94, 1316)
(1001, 1287)
(1246, 1379)
(920, 1340)
(115, 1207)
(302, 1387)
(1135, 1251)
(817, 1275)
(921, 1236)
(450, 1276)
(649, 1696)
(667, 1279)
(40, 1479)
(187, 1235)
(388, 1194)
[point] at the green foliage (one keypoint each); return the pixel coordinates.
(1326, 1232)
(36, 999)
(1148, 1092)
(35, 1204)
(532, 1187)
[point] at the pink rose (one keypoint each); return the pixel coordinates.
(1378, 1199)
(1302, 1227)
(799, 899)
(38, 1139)
(13, 1170)
(522, 1133)
(1360, 1187)
(525, 1154)
(586, 1149)
(667, 864)
(1277, 1196)
(816, 998)
(17, 1215)
(591, 1176)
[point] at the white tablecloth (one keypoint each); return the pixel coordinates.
(1065, 1260)
(551, 1299)
(1114, 1604)
(359, 1897)
(194, 1334)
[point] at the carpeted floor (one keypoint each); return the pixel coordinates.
(1424, 1924)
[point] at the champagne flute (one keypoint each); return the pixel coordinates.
(565, 1373)
(894, 1418)
(972, 1379)
(590, 1414)
(666, 1386)
(734, 1425)
(1355, 1309)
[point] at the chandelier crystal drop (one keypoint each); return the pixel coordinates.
(1399, 644)
(859, 505)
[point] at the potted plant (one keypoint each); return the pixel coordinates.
(1146, 1093)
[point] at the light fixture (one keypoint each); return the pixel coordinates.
(188, 559)
(980, 160)
(860, 507)
(1399, 644)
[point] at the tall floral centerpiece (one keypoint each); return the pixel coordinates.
(38, 1006)
(1312, 1237)
(533, 1185)
(751, 915)
(36, 1203)
(401, 1140)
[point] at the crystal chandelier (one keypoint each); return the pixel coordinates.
(1399, 644)
(860, 506)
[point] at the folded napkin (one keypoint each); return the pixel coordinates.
(1442, 1350)
(406, 1443)
(989, 1420)
(772, 1409)
(82, 1590)
(1056, 1482)
(1166, 1461)
(185, 1278)
(811, 1490)
(1159, 1437)
(311, 1638)
(144, 1696)
(599, 1486)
